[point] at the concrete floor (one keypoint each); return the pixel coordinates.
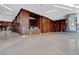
(44, 44)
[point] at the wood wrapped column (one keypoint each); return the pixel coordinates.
(24, 22)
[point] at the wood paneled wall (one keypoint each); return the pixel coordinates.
(15, 25)
(22, 23)
(46, 25)
(5, 24)
(59, 25)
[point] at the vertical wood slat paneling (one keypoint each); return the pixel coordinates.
(59, 26)
(4, 25)
(45, 24)
(24, 22)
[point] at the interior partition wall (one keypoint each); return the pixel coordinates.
(26, 19)
(4, 25)
(59, 25)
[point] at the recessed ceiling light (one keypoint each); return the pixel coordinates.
(6, 7)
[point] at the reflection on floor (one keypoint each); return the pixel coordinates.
(46, 43)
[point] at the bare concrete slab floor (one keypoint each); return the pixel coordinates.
(44, 44)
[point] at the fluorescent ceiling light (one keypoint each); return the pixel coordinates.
(70, 5)
(6, 7)
(76, 6)
(50, 11)
(62, 7)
